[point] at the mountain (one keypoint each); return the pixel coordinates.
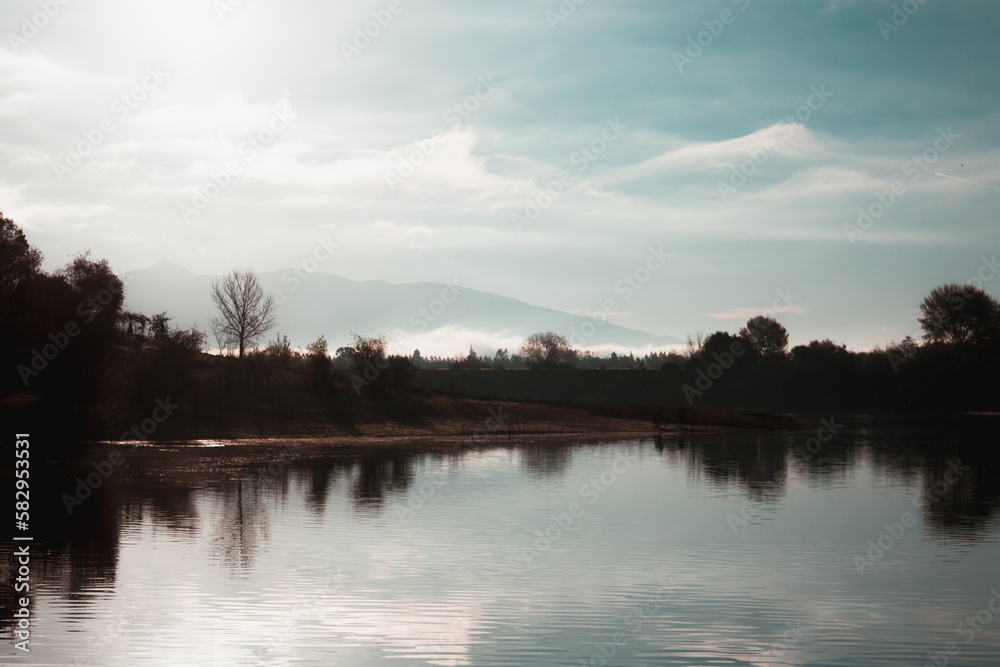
(436, 318)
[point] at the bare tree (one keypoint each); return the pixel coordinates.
(246, 312)
(547, 349)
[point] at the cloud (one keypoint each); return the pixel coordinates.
(658, 183)
(745, 313)
(451, 340)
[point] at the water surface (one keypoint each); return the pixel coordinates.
(734, 549)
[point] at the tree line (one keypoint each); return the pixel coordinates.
(59, 331)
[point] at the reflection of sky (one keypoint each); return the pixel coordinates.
(449, 585)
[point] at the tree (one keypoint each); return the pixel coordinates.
(721, 343)
(319, 359)
(547, 348)
(18, 259)
(159, 325)
(821, 356)
(246, 313)
(129, 322)
(958, 315)
(368, 360)
(766, 337)
(401, 371)
(279, 351)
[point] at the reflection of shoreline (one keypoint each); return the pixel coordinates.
(210, 497)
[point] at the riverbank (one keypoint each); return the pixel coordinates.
(424, 415)
(154, 393)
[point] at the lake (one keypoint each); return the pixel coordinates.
(859, 541)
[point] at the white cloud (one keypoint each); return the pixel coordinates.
(745, 313)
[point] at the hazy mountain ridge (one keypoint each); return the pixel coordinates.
(418, 314)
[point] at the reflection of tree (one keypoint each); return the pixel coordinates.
(547, 460)
(73, 553)
(240, 522)
(379, 473)
(961, 505)
(752, 462)
(319, 474)
(171, 506)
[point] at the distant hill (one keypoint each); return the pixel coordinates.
(413, 315)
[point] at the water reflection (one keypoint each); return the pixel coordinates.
(225, 508)
(380, 473)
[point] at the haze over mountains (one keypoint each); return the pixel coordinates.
(437, 319)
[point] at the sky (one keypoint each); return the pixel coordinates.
(825, 162)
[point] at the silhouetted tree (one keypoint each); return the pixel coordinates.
(819, 354)
(548, 349)
(722, 344)
(343, 357)
(693, 347)
(401, 371)
(368, 363)
(18, 259)
(766, 336)
(246, 312)
(959, 315)
(159, 325)
(129, 322)
(191, 340)
(319, 360)
(279, 351)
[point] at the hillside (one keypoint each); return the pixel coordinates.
(311, 304)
